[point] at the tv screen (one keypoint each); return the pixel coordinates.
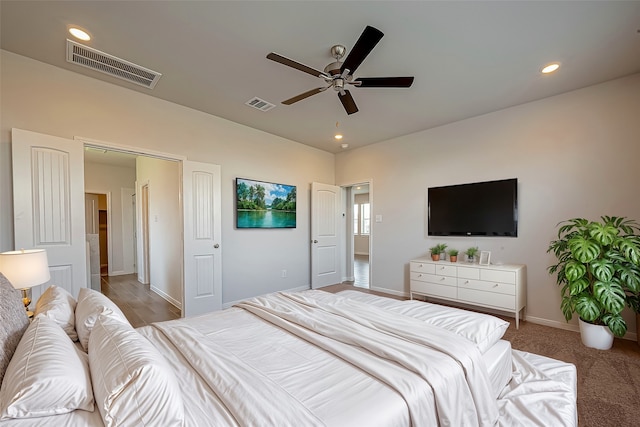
(478, 209)
(261, 204)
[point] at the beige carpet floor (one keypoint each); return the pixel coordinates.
(608, 381)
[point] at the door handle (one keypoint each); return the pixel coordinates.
(216, 246)
(314, 241)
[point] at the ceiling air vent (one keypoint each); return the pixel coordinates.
(109, 64)
(259, 104)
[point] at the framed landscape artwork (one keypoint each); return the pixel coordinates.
(262, 204)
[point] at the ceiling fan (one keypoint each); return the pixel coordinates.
(340, 74)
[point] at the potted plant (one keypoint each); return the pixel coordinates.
(471, 254)
(437, 250)
(599, 270)
(453, 255)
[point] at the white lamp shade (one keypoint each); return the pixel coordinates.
(25, 268)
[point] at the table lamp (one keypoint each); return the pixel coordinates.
(25, 269)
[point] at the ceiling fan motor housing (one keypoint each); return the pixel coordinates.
(333, 68)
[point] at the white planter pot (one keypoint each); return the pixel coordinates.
(595, 336)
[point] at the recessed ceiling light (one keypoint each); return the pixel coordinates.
(338, 136)
(550, 68)
(79, 34)
(345, 145)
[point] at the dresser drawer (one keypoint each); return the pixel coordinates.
(492, 299)
(434, 289)
(498, 276)
(441, 280)
(501, 288)
(422, 267)
(445, 270)
(469, 272)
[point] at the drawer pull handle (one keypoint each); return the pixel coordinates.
(466, 283)
(421, 265)
(442, 278)
(419, 275)
(496, 285)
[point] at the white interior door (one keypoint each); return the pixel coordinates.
(325, 235)
(48, 204)
(202, 238)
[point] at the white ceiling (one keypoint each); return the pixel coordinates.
(468, 58)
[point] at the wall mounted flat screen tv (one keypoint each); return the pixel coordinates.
(261, 204)
(477, 209)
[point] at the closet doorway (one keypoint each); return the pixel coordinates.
(359, 234)
(97, 231)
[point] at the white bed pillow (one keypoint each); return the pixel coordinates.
(90, 305)
(46, 376)
(58, 304)
(482, 329)
(133, 383)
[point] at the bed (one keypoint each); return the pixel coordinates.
(307, 358)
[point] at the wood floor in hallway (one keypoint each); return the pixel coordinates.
(138, 302)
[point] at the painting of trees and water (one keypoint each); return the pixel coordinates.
(265, 204)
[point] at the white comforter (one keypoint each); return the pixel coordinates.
(422, 363)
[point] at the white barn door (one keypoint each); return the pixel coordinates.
(202, 238)
(48, 205)
(325, 235)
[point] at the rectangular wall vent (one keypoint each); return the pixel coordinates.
(260, 104)
(109, 64)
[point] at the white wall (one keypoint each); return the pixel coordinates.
(109, 179)
(165, 231)
(50, 100)
(574, 154)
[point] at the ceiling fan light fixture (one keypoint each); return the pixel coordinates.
(79, 34)
(550, 68)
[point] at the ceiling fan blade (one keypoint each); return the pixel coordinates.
(298, 66)
(384, 81)
(365, 44)
(304, 95)
(347, 102)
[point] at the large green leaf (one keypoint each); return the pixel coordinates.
(610, 295)
(630, 248)
(587, 308)
(604, 234)
(629, 275)
(577, 286)
(602, 269)
(583, 249)
(616, 324)
(574, 270)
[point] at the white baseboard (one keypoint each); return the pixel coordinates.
(571, 326)
(167, 297)
(120, 273)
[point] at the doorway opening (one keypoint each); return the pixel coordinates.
(143, 271)
(97, 229)
(143, 193)
(358, 198)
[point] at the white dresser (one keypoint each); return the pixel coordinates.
(501, 287)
